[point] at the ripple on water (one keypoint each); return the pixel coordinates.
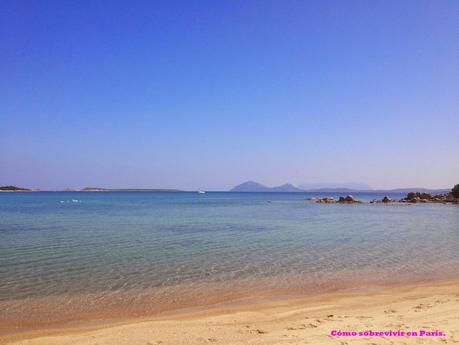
(147, 251)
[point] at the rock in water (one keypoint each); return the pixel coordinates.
(386, 199)
(349, 199)
(326, 200)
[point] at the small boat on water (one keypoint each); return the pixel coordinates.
(201, 192)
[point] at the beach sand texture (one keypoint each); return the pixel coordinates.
(429, 307)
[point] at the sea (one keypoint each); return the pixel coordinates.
(77, 256)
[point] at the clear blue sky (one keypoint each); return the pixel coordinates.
(208, 94)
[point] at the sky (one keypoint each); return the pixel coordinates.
(209, 94)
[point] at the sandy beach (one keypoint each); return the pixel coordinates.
(431, 310)
(229, 172)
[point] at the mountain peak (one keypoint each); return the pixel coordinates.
(252, 186)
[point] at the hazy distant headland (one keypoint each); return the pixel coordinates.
(88, 189)
(99, 189)
(16, 189)
(334, 185)
(252, 186)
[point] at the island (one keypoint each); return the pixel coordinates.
(15, 189)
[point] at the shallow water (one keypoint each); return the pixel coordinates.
(161, 248)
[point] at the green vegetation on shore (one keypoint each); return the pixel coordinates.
(13, 188)
(455, 191)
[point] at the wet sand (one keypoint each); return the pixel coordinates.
(430, 307)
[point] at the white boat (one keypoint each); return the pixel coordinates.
(201, 192)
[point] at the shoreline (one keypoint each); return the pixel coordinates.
(274, 320)
(105, 307)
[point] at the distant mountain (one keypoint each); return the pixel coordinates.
(409, 190)
(286, 188)
(335, 186)
(337, 190)
(397, 190)
(252, 186)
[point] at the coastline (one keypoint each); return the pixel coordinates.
(74, 267)
(20, 315)
(428, 306)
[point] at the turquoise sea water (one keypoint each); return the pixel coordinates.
(62, 245)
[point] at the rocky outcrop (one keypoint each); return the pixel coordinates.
(327, 200)
(385, 200)
(428, 198)
(411, 198)
(323, 200)
(349, 199)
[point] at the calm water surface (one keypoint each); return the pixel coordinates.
(62, 245)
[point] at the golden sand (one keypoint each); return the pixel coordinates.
(428, 307)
